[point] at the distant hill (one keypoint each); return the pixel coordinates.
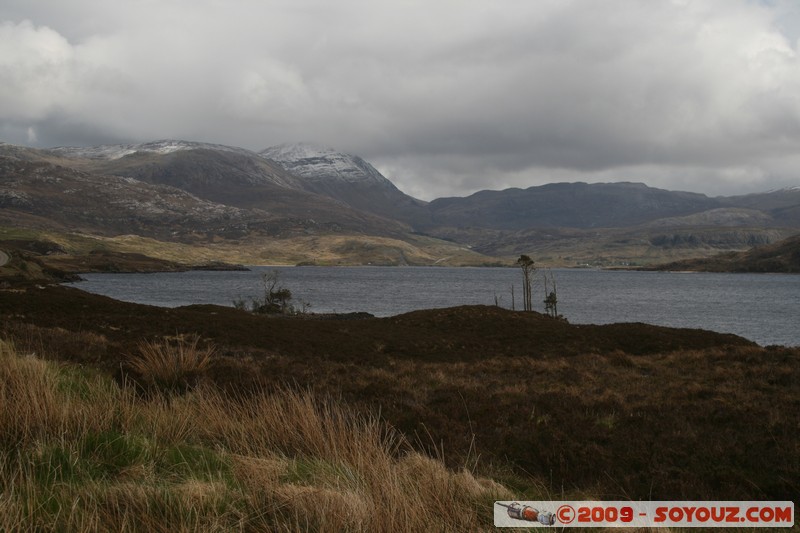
(606, 224)
(568, 205)
(783, 256)
(735, 217)
(782, 205)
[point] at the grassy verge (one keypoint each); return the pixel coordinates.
(78, 452)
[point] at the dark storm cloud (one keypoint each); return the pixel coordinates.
(445, 97)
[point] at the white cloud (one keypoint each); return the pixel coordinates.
(447, 96)
(35, 65)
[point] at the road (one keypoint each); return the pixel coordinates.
(3, 258)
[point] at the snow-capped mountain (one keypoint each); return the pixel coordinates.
(322, 164)
(346, 178)
(220, 174)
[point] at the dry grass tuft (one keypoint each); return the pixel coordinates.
(39, 398)
(172, 365)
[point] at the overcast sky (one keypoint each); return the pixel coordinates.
(445, 97)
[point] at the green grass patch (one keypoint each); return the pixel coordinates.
(107, 454)
(97, 456)
(312, 471)
(84, 384)
(186, 462)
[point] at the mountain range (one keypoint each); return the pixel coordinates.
(332, 207)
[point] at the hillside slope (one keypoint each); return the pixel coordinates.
(782, 205)
(782, 256)
(48, 195)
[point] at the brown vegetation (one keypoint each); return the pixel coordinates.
(171, 365)
(78, 453)
(623, 410)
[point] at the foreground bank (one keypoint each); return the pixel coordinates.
(615, 411)
(78, 453)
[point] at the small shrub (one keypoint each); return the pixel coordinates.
(277, 299)
(171, 366)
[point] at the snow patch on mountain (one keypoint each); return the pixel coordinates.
(318, 163)
(297, 151)
(117, 151)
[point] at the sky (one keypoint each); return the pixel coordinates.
(444, 97)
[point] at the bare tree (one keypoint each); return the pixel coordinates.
(526, 265)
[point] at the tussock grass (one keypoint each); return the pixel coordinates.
(79, 453)
(171, 365)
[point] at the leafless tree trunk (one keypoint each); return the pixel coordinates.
(526, 264)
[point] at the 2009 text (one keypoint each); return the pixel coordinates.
(645, 514)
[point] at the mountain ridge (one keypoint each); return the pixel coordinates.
(305, 189)
(116, 151)
(574, 204)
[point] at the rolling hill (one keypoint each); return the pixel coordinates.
(782, 256)
(568, 205)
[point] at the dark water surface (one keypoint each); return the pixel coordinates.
(762, 307)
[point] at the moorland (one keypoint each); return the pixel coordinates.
(471, 403)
